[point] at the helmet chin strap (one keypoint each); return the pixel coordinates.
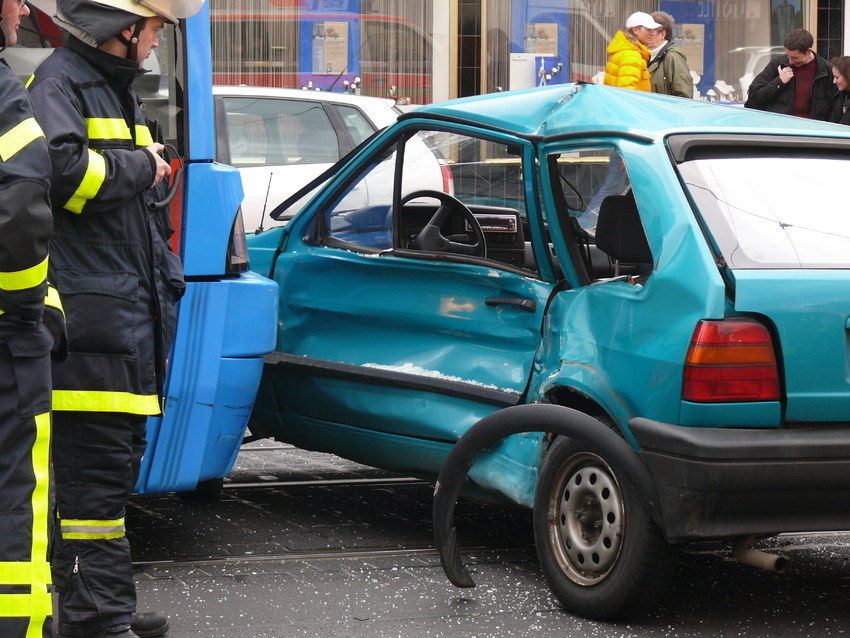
(133, 43)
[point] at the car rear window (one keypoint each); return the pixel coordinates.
(773, 212)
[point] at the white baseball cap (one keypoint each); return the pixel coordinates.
(641, 19)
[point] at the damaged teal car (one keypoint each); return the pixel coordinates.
(628, 312)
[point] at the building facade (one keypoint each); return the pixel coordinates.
(431, 50)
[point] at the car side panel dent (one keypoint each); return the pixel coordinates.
(605, 341)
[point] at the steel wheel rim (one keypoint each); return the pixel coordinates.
(586, 519)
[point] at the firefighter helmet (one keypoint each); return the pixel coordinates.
(96, 21)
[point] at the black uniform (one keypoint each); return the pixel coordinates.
(25, 344)
(119, 282)
(840, 112)
(767, 93)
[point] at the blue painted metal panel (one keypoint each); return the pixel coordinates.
(214, 373)
(212, 195)
(198, 87)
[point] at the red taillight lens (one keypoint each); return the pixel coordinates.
(730, 361)
(448, 178)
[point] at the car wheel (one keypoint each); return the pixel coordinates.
(602, 555)
(209, 490)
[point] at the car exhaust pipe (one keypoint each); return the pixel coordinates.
(744, 553)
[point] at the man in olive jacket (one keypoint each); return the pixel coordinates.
(797, 83)
(668, 67)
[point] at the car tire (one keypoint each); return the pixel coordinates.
(206, 491)
(601, 553)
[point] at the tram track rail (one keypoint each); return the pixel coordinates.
(317, 555)
(370, 482)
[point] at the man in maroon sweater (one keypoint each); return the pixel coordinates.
(797, 83)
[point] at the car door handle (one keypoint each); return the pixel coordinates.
(529, 305)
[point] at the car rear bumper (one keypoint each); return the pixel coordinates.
(717, 482)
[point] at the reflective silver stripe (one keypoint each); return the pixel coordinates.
(92, 529)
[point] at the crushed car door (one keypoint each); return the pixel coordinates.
(419, 311)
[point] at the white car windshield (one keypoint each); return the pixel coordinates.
(773, 212)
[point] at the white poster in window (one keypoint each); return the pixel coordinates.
(693, 44)
(330, 47)
(541, 38)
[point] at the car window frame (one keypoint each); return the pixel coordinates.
(319, 234)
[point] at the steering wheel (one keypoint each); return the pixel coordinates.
(430, 238)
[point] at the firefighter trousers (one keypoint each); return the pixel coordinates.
(25, 602)
(96, 460)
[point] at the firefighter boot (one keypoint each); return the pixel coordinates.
(115, 631)
(149, 624)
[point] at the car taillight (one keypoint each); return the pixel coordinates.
(448, 179)
(730, 361)
(237, 248)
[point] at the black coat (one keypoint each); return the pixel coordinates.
(25, 221)
(110, 257)
(767, 93)
(841, 108)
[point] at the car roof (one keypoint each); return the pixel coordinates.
(303, 94)
(566, 109)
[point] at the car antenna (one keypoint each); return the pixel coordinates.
(265, 203)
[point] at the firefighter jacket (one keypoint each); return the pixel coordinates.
(25, 221)
(110, 257)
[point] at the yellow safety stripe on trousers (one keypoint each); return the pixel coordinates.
(91, 183)
(53, 299)
(92, 530)
(38, 604)
(104, 401)
(41, 492)
(35, 605)
(39, 609)
(23, 573)
(23, 279)
(18, 137)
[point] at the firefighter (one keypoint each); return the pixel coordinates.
(119, 282)
(25, 344)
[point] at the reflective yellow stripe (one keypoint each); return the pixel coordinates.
(107, 128)
(143, 135)
(21, 573)
(53, 299)
(29, 81)
(92, 529)
(40, 495)
(23, 279)
(103, 401)
(22, 134)
(36, 605)
(92, 181)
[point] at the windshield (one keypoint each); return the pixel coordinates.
(773, 212)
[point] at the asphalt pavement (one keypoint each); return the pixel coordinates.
(307, 545)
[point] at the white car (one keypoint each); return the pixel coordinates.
(280, 139)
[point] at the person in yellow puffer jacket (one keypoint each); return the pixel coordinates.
(628, 53)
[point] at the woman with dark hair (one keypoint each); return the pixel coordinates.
(841, 78)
